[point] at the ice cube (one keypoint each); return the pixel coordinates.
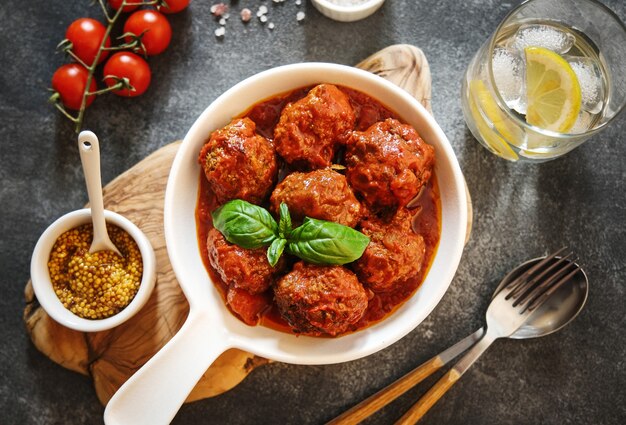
(508, 72)
(545, 36)
(582, 124)
(590, 81)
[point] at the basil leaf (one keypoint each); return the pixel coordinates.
(284, 224)
(245, 224)
(325, 242)
(275, 251)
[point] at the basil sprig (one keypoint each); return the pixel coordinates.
(315, 241)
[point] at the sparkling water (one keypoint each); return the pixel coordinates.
(508, 66)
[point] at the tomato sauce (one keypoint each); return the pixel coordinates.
(427, 223)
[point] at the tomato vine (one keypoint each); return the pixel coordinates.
(65, 84)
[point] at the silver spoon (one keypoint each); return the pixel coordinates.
(559, 309)
(89, 149)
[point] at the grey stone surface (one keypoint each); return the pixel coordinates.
(576, 376)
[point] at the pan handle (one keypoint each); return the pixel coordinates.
(155, 392)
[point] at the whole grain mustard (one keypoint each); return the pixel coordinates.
(98, 285)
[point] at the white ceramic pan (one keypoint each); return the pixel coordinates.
(154, 394)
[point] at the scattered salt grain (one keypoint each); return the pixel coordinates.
(246, 15)
(219, 9)
(262, 11)
(220, 32)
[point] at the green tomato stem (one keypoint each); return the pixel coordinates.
(77, 59)
(124, 46)
(64, 112)
(117, 86)
(104, 10)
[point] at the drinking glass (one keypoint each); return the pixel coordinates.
(580, 36)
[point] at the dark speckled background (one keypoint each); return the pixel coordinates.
(576, 376)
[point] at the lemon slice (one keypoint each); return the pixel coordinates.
(480, 100)
(552, 90)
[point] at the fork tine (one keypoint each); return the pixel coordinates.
(533, 293)
(521, 291)
(522, 279)
(521, 283)
(540, 297)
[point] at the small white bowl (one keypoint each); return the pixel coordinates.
(347, 13)
(42, 285)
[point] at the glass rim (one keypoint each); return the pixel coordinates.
(502, 104)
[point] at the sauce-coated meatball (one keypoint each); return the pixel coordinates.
(395, 253)
(388, 164)
(248, 306)
(238, 163)
(243, 268)
(323, 194)
(318, 300)
(310, 129)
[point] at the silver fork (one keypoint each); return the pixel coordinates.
(507, 311)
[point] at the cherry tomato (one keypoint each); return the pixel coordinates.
(115, 5)
(158, 32)
(86, 36)
(70, 81)
(174, 6)
(131, 66)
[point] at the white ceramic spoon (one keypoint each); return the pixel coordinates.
(89, 149)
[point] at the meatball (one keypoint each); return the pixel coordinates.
(239, 267)
(248, 306)
(310, 129)
(395, 253)
(323, 194)
(239, 163)
(388, 164)
(318, 300)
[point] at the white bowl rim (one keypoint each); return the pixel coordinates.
(42, 285)
(202, 295)
(366, 5)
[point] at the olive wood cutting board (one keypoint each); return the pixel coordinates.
(111, 357)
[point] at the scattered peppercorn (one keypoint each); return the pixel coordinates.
(95, 285)
(219, 9)
(246, 14)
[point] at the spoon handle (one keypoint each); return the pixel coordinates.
(388, 394)
(437, 391)
(89, 149)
